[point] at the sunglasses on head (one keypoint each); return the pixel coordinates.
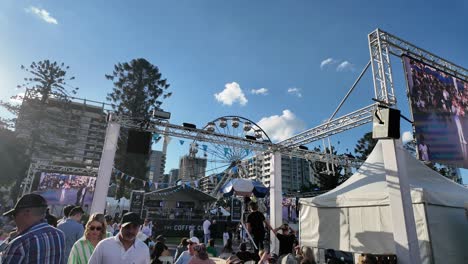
(92, 228)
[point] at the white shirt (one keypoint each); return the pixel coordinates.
(206, 226)
(112, 251)
(146, 229)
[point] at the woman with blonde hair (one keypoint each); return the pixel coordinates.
(95, 231)
(201, 256)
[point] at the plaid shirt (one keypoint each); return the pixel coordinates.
(41, 244)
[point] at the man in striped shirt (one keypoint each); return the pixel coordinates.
(35, 240)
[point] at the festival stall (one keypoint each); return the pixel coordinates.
(356, 215)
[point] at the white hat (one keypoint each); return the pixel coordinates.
(194, 240)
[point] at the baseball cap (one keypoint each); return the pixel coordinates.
(130, 218)
(31, 200)
(193, 240)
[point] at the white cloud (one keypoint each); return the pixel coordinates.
(326, 62)
(345, 66)
(295, 91)
(406, 137)
(281, 127)
(17, 99)
(232, 93)
(42, 14)
(262, 91)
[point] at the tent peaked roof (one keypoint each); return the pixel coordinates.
(368, 185)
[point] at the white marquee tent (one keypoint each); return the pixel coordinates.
(356, 215)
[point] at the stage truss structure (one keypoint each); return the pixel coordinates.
(381, 46)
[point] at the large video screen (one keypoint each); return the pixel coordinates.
(64, 189)
(439, 103)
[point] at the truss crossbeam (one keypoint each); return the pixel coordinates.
(337, 125)
(356, 118)
(400, 47)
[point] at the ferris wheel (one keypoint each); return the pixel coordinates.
(224, 158)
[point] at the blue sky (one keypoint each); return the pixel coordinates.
(230, 48)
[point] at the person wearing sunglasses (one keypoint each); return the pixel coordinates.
(123, 248)
(94, 232)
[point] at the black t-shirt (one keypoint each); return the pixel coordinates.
(286, 243)
(255, 219)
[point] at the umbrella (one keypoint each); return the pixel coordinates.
(259, 190)
(244, 187)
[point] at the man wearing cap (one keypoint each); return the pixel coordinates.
(35, 240)
(72, 228)
(187, 255)
(123, 248)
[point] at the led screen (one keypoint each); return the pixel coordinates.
(64, 189)
(439, 103)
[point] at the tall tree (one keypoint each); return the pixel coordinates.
(364, 146)
(138, 90)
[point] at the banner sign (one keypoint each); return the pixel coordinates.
(136, 201)
(236, 210)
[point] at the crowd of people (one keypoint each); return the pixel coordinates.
(36, 236)
(435, 91)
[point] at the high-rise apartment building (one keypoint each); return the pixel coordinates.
(191, 168)
(173, 175)
(295, 172)
(156, 164)
(68, 132)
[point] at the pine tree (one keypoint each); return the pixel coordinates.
(137, 92)
(364, 146)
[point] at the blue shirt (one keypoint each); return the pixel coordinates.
(39, 244)
(184, 258)
(73, 231)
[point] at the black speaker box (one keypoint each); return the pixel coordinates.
(386, 124)
(138, 142)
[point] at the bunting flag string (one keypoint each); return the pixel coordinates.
(123, 176)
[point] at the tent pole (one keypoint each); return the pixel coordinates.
(428, 230)
(401, 206)
(105, 166)
(276, 198)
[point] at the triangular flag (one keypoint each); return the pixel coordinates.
(156, 137)
(156, 140)
(226, 151)
(131, 179)
(205, 147)
(181, 142)
(122, 175)
(247, 151)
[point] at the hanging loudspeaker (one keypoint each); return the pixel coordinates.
(386, 124)
(138, 142)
